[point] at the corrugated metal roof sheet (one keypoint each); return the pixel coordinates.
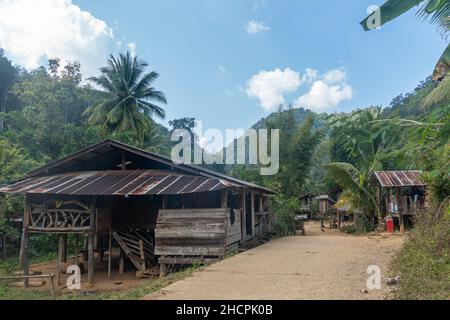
(324, 197)
(397, 178)
(118, 182)
(86, 154)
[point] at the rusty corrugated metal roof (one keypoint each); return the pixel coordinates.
(71, 163)
(397, 178)
(118, 182)
(324, 197)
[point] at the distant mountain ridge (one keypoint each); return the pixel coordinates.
(300, 115)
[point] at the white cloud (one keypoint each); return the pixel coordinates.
(327, 92)
(310, 75)
(269, 86)
(335, 76)
(255, 27)
(32, 31)
(132, 48)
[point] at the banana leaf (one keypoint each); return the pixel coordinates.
(390, 10)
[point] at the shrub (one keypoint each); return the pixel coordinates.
(285, 208)
(351, 229)
(424, 261)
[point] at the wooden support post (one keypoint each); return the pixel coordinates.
(261, 202)
(162, 270)
(339, 221)
(121, 262)
(400, 212)
(379, 206)
(60, 258)
(77, 249)
(243, 219)
(387, 199)
(100, 247)
(164, 202)
(224, 200)
(52, 285)
(142, 254)
(109, 252)
(23, 260)
(64, 252)
(252, 199)
(90, 258)
(91, 246)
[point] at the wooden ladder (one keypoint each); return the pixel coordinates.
(137, 245)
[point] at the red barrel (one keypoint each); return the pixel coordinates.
(390, 225)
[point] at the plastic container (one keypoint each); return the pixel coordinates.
(390, 225)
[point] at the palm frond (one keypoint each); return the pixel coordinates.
(152, 109)
(440, 94)
(127, 104)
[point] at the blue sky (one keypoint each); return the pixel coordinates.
(212, 54)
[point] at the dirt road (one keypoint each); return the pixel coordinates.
(320, 265)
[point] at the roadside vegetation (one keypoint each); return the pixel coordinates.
(423, 263)
(50, 112)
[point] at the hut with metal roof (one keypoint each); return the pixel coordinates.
(404, 194)
(153, 209)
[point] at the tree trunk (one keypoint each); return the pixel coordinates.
(3, 111)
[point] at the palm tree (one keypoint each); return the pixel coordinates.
(361, 145)
(129, 96)
(437, 12)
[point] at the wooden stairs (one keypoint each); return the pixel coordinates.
(137, 245)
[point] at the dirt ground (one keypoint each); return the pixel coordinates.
(320, 265)
(102, 283)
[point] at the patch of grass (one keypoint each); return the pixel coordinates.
(7, 293)
(12, 263)
(424, 261)
(350, 229)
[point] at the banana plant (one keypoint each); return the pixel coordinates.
(436, 11)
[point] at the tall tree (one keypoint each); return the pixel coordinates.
(129, 96)
(8, 76)
(361, 145)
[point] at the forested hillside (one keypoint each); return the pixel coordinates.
(375, 138)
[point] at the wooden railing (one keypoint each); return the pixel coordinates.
(26, 279)
(60, 219)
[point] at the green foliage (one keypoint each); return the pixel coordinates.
(350, 229)
(298, 143)
(423, 263)
(360, 145)
(42, 120)
(128, 102)
(285, 209)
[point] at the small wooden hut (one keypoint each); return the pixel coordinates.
(325, 203)
(155, 210)
(404, 194)
(307, 204)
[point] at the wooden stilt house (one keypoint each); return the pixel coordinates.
(400, 194)
(155, 210)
